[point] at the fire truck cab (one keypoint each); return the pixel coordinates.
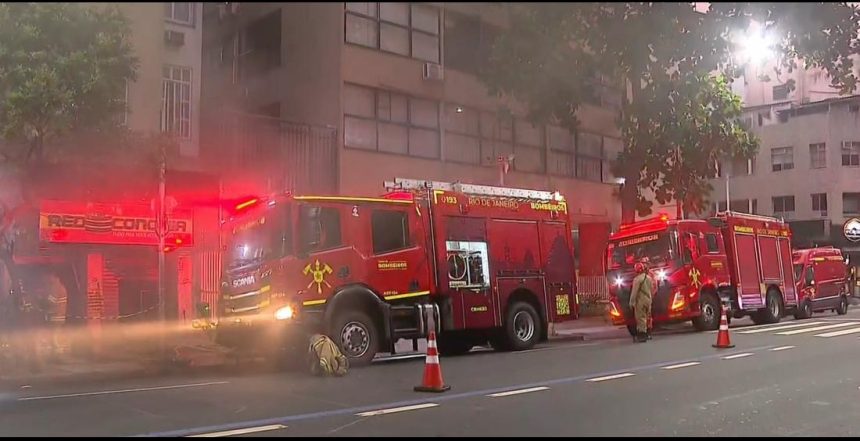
(493, 264)
(742, 261)
(822, 281)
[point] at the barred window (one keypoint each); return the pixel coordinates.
(176, 101)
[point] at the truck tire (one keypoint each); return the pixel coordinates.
(842, 309)
(710, 318)
(452, 344)
(356, 334)
(773, 310)
(522, 327)
(804, 311)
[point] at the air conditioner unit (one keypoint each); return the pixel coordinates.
(174, 38)
(433, 72)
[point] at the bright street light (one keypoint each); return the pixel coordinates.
(755, 46)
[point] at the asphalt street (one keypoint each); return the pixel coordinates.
(795, 378)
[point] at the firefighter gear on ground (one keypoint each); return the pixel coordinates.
(640, 302)
(326, 358)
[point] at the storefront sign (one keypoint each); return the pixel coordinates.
(119, 224)
(851, 229)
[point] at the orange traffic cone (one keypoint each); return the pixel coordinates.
(723, 341)
(432, 370)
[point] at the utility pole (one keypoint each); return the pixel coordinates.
(161, 232)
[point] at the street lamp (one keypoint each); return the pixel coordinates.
(755, 46)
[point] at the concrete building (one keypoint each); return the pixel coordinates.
(807, 170)
(398, 84)
(167, 39)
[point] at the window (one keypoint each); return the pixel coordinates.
(721, 206)
(817, 155)
(740, 205)
(390, 231)
(741, 166)
(390, 122)
(319, 228)
(497, 136)
(589, 156)
(562, 151)
(260, 45)
(783, 206)
(713, 245)
(782, 158)
(528, 149)
(851, 154)
(462, 134)
(468, 42)
(850, 204)
(176, 101)
(819, 203)
(468, 265)
(405, 29)
(179, 13)
(780, 92)
(612, 147)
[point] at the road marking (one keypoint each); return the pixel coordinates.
(817, 328)
(741, 355)
(123, 391)
(682, 365)
(291, 418)
(782, 348)
(838, 333)
(240, 431)
(611, 377)
(779, 328)
(518, 392)
(396, 409)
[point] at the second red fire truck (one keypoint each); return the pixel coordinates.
(743, 260)
(494, 264)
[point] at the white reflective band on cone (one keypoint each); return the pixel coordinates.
(432, 359)
(431, 344)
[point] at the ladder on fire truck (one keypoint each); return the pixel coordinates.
(400, 184)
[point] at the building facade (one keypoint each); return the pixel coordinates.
(807, 171)
(399, 84)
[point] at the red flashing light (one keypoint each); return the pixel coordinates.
(249, 203)
(400, 196)
(664, 217)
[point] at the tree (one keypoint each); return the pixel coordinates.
(63, 72)
(679, 115)
(63, 69)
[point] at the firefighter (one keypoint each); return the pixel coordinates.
(640, 301)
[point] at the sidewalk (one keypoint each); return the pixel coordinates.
(588, 328)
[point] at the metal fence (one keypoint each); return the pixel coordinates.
(592, 289)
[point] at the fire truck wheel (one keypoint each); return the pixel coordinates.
(773, 307)
(356, 334)
(522, 326)
(843, 306)
(710, 318)
(804, 311)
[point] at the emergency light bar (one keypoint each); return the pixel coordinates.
(483, 190)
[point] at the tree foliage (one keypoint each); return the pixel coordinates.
(680, 115)
(63, 69)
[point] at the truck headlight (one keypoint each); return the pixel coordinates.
(284, 313)
(619, 282)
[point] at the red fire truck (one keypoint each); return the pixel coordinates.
(495, 264)
(743, 260)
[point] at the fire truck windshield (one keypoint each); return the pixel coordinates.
(256, 239)
(658, 248)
